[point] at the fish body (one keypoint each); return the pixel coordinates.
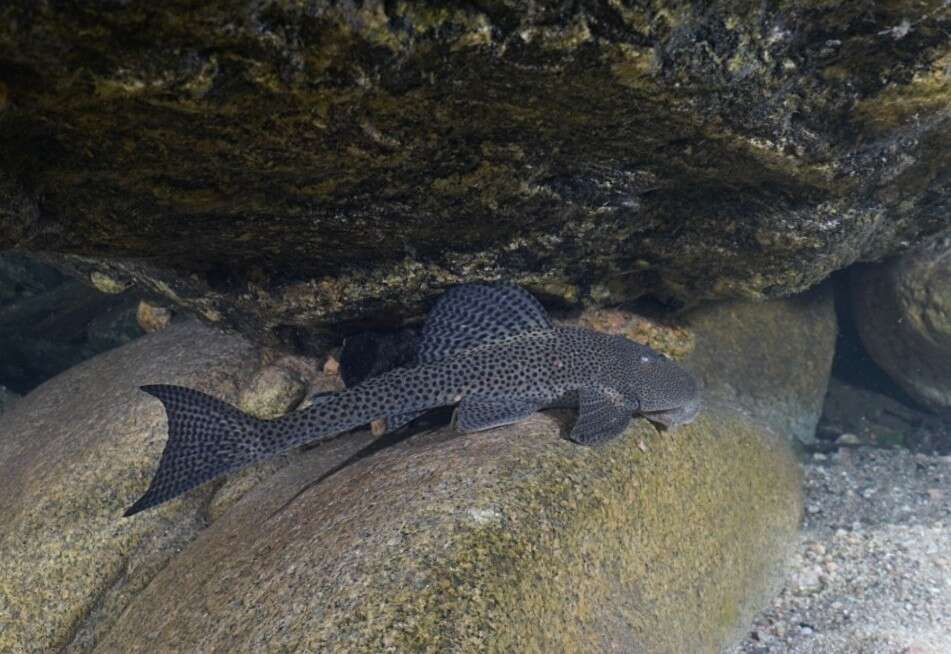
(488, 348)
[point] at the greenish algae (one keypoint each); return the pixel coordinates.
(642, 550)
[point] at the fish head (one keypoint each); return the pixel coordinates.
(664, 392)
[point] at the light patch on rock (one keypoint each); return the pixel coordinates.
(485, 516)
(107, 284)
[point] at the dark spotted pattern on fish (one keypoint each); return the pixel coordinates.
(489, 348)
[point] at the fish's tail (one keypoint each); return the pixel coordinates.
(206, 437)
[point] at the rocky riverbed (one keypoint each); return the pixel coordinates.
(872, 572)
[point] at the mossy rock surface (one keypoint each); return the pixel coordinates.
(513, 540)
(509, 540)
(74, 453)
(279, 165)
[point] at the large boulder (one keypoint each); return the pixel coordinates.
(74, 453)
(770, 359)
(276, 164)
(513, 540)
(508, 540)
(903, 315)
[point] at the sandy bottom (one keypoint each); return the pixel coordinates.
(873, 570)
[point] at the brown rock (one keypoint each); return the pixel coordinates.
(903, 315)
(289, 163)
(331, 366)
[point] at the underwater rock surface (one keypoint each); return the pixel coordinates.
(771, 359)
(281, 164)
(903, 314)
(73, 454)
(49, 323)
(513, 539)
(508, 540)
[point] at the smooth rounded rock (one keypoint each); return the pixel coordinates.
(74, 453)
(512, 540)
(271, 392)
(771, 359)
(903, 315)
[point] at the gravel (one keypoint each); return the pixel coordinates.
(873, 570)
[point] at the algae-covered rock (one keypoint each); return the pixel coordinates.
(273, 165)
(271, 392)
(903, 314)
(512, 540)
(76, 452)
(771, 359)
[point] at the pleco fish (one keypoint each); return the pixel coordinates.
(490, 348)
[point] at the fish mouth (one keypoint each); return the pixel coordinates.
(672, 418)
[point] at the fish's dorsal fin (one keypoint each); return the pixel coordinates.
(470, 315)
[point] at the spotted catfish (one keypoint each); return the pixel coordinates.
(489, 348)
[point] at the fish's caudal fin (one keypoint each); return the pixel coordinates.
(206, 437)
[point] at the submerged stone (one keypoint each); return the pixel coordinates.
(769, 359)
(283, 165)
(508, 540)
(73, 452)
(903, 315)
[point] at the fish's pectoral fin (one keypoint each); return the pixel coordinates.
(479, 414)
(602, 415)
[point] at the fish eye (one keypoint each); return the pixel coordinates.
(645, 358)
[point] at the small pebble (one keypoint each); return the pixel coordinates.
(848, 439)
(272, 392)
(331, 366)
(152, 318)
